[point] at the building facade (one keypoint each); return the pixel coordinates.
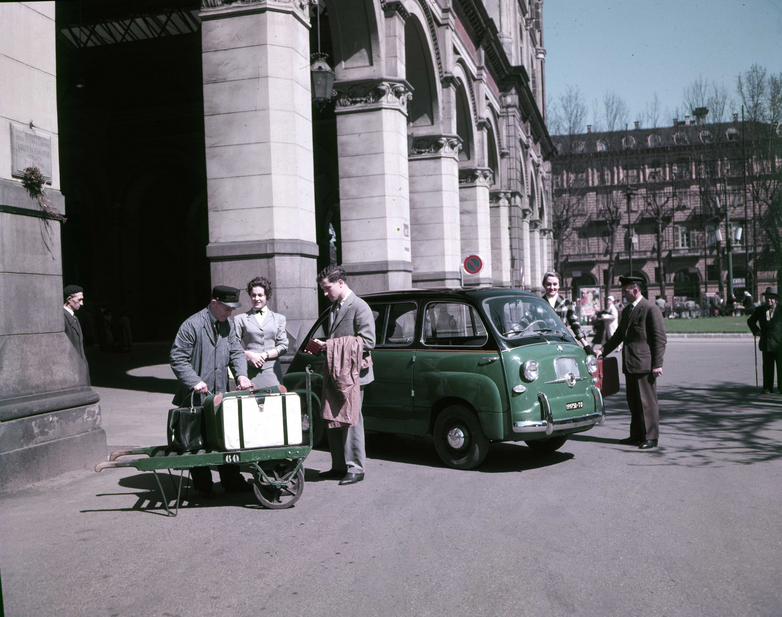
(687, 207)
(185, 151)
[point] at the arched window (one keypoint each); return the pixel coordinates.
(733, 134)
(655, 141)
(602, 145)
(628, 142)
(680, 139)
(706, 137)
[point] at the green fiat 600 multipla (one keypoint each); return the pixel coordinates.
(469, 367)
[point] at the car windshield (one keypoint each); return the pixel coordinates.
(524, 320)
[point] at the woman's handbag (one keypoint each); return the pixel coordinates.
(186, 430)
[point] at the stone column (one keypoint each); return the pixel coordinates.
(500, 239)
(434, 210)
(536, 272)
(529, 282)
(258, 125)
(373, 183)
(475, 220)
(49, 414)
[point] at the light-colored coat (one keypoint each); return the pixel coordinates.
(196, 356)
(264, 337)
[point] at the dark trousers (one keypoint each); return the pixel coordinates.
(770, 360)
(202, 477)
(644, 411)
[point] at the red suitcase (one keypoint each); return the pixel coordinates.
(608, 375)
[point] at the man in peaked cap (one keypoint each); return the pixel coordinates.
(766, 321)
(205, 346)
(642, 330)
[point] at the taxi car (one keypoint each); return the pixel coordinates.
(468, 367)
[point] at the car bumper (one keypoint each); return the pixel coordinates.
(548, 424)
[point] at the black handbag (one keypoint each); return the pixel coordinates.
(186, 430)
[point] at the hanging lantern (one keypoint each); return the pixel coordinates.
(322, 78)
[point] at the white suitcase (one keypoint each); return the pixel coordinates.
(242, 422)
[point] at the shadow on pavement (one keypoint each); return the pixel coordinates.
(705, 425)
(110, 369)
(502, 457)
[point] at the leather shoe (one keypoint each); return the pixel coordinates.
(207, 493)
(331, 474)
(351, 478)
(649, 443)
(630, 441)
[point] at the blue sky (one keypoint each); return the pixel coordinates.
(638, 47)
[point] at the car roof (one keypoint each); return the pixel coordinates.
(476, 294)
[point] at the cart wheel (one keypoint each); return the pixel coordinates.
(285, 496)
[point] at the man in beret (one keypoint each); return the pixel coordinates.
(766, 321)
(74, 299)
(642, 330)
(205, 346)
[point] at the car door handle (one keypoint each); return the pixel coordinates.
(489, 359)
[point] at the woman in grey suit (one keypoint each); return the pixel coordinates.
(263, 336)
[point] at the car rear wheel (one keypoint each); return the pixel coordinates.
(547, 446)
(459, 438)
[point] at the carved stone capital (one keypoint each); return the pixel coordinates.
(504, 153)
(500, 198)
(361, 96)
(443, 145)
(449, 81)
(546, 232)
(534, 224)
(215, 9)
(391, 7)
(483, 124)
(476, 177)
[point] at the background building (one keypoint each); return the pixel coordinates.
(683, 202)
(185, 151)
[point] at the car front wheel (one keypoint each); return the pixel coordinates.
(459, 439)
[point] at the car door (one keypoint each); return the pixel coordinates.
(390, 395)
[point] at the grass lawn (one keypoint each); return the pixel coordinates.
(707, 325)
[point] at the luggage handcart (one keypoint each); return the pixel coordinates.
(278, 472)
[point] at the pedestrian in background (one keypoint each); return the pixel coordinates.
(766, 321)
(74, 300)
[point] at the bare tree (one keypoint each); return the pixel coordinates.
(711, 95)
(761, 94)
(569, 172)
(653, 113)
(660, 206)
(609, 214)
(615, 112)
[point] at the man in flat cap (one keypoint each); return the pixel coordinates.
(205, 346)
(766, 321)
(642, 330)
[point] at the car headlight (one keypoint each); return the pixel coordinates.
(591, 362)
(530, 370)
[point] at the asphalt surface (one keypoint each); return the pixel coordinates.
(597, 529)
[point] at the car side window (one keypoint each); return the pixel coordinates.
(453, 324)
(379, 315)
(400, 329)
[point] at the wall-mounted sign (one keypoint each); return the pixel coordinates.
(29, 149)
(473, 264)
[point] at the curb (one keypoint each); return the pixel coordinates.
(709, 335)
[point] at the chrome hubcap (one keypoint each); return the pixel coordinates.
(456, 438)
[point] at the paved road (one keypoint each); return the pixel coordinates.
(598, 529)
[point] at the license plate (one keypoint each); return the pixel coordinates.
(576, 405)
